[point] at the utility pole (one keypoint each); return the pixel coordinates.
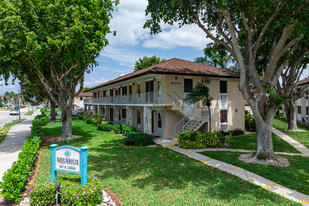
(19, 103)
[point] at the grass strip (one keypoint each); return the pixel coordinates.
(153, 176)
(295, 176)
(301, 137)
(29, 113)
(249, 142)
(7, 128)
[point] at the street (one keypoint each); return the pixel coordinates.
(5, 116)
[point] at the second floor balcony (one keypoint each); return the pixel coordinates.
(139, 98)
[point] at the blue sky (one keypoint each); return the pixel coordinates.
(133, 42)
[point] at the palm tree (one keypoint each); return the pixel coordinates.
(200, 93)
(217, 56)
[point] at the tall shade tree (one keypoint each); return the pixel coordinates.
(145, 62)
(200, 93)
(217, 56)
(57, 41)
(250, 30)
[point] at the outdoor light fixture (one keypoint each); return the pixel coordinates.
(57, 185)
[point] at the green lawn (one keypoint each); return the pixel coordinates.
(295, 176)
(29, 113)
(248, 141)
(302, 137)
(7, 128)
(57, 110)
(154, 176)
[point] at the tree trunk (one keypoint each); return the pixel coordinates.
(264, 134)
(66, 116)
(291, 114)
(53, 110)
(264, 141)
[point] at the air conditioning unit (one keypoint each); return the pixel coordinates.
(306, 118)
(206, 81)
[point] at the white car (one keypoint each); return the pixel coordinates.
(14, 112)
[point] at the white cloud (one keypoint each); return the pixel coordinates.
(123, 56)
(188, 35)
(94, 83)
(128, 21)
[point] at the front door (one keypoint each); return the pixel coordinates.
(159, 125)
(111, 114)
(138, 120)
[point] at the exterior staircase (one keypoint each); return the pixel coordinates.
(193, 118)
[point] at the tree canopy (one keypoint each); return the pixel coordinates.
(262, 36)
(145, 62)
(57, 41)
(217, 56)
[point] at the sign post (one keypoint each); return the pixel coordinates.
(68, 159)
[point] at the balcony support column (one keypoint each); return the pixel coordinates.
(147, 120)
(129, 114)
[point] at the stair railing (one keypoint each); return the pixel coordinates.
(185, 107)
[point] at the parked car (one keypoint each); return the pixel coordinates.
(14, 112)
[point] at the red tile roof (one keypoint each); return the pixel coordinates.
(85, 94)
(304, 81)
(175, 66)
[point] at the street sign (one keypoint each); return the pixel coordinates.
(68, 159)
(16, 108)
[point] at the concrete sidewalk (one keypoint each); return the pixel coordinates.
(301, 148)
(246, 175)
(13, 143)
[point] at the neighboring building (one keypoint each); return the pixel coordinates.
(303, 103)
(152, 99)
(80, 99)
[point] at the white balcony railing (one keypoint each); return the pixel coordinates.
(140, 98)
(88, 101)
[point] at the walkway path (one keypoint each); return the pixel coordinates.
(237, 171)
(246, 175)
(13, 143)
(301, 148)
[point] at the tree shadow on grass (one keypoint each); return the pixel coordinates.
(163, 169)
(149, 173)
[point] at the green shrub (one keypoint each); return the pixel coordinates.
(138, 139)
(117, 128)
(234, 132)
(44, 120)
(97, 118)
(105, 127)
(15, 178)
(89, 121)
(81, 117)
(127, 129)
(71, 193)
(201, 140)
(250, 123)
(87, 115)
(43, 111)
(36, 128)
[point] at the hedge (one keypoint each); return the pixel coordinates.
(15, 178)
(138, 139)
(202, 140)
(71, 193)
(105, 127)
